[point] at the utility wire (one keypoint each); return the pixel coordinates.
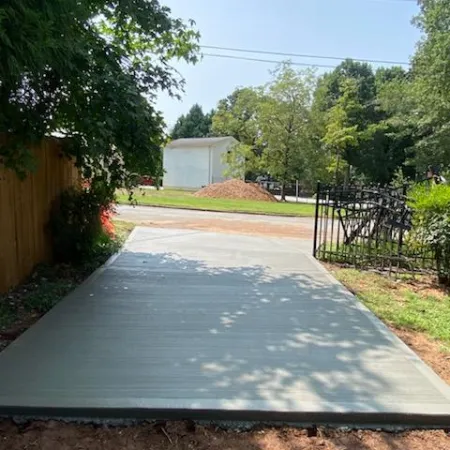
(216, 55)
(298, 55)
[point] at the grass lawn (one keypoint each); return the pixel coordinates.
(185, 199)
(415, 304)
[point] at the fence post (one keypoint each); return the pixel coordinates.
(296, 191)
(316, 219)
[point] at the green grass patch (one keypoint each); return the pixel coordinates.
(123, 229)
(186, 200)
(403, 303)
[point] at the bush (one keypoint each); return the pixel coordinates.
(431, 222)
(81, 226)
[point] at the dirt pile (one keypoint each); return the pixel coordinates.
(236, 189)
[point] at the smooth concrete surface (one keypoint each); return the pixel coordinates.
(189, 324)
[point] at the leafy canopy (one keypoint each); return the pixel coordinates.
(90, 70)
(285, 123)
(195, 124)
(431, 69)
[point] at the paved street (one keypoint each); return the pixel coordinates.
(276, 226)
(192, 324)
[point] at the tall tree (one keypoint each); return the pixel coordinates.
(89, 69)
(431, 69)
(237, 116)
(285, 124)
(195, 124)
(330, 85)
(362, 120)
(342, 127)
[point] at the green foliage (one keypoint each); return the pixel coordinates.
(76, 226)
(341, 128)
(89, 69)
(431, 205)
(240, 161)
(195, 124)
(285, 124)
(237, 116)
(366, 120)
(363, 123)
(332, 86)
(431, 69)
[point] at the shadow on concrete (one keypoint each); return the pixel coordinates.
(247, 339)
(288, 334)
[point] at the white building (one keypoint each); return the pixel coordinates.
(196, 162)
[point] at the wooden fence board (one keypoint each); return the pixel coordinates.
(25, 207)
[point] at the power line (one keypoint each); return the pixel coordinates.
(298, 55)
(243, 58)
(395, 1)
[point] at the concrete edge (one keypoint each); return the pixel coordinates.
(419, 364)
(331, 419)
(92, 277)
(97, 272)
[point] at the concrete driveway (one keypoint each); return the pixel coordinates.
(189, 324)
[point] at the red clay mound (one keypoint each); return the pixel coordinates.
(236, 189)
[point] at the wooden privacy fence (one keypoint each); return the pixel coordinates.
(25, 211)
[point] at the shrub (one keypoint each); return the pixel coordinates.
(431, 222)
(81, 226)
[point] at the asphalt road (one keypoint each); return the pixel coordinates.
(139, 213)
(234, 223)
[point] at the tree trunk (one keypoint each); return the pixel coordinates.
(336, 173)
(283, 191)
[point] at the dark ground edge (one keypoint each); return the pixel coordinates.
(335, 419)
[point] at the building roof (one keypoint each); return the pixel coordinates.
(199, 142)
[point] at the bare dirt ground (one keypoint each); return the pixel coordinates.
(186, 436)
(299, 231)
(428, 350)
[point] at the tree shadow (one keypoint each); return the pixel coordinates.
(196, 331)
(255, 338)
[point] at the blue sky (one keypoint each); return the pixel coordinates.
(372, 29)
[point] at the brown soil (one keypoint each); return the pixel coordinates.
(236, 189)
(301, 231)
(428, 350)
(186, 436)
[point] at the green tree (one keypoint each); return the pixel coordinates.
(342, 128)
(89, 69)
(285, 124)
(363, 119)
(237, 116)
(195, 124)
(397, 105)
(331, 85)
(431, 70)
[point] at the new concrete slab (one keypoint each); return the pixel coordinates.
(188, 324)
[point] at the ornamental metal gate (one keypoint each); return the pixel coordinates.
(368, 226)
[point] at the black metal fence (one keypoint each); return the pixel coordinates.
(368, 227)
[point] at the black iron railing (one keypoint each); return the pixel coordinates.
(368, 226)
